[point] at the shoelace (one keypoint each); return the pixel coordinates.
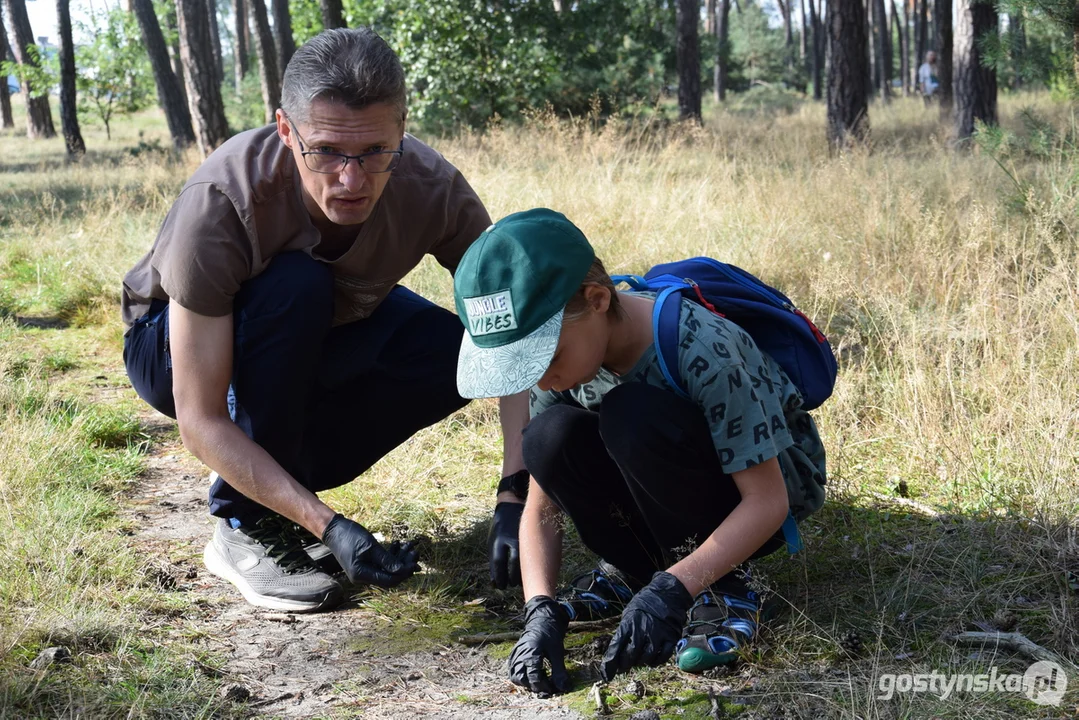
(282, 544)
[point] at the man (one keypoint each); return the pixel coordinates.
(927, 77)
(267, 320)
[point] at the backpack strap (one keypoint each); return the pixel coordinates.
(665, 316)
(791, 534)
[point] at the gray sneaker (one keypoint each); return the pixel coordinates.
(269, 567)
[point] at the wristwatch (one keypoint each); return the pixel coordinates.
(517, 483)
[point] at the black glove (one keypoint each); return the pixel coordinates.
(651, 626)
(545, 627)
(502, 544)
(363, 559)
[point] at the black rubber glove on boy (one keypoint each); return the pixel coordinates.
(545, 629)
(651, 626)
(363, 559)
(503, 545)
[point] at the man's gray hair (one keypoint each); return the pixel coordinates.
(351, 66)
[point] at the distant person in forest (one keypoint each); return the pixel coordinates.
(268, 320)
(673, 493)
(927, 78)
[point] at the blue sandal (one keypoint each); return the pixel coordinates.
(720, 625)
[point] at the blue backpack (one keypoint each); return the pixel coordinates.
(771, 319)
(778, 328)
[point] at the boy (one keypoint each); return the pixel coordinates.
(673, 494)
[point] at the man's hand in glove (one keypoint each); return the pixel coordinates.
(363, 559)
(651, 626)
(503, 545)
(545, 627)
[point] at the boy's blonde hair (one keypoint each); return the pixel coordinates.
(577, 307)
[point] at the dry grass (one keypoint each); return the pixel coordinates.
(945, 278)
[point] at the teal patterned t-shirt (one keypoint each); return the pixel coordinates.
(754, 411)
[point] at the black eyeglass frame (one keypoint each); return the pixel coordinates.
(345, 157)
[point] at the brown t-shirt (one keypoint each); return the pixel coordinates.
(243, 206)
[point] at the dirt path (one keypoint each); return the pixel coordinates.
(298, 666)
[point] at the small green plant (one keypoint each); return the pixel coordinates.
(114, 71)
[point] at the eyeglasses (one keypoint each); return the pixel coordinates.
(333, 163)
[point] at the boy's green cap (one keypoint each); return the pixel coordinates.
(510, 289)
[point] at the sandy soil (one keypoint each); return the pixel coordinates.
(299, 665)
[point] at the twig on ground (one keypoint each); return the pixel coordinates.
(597, 696)
(581, 626)
(906, 502)
(1016, 642)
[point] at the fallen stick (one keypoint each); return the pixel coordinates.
(906, 502)
(1016, 642)
(577, 626)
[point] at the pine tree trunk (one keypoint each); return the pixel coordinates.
(1019, 49)
(174, 49)
(709, 17)
(921, 30)
(803, 40)
(69, 119)
(884, 52)
(267, 55)
(169, 94)
(975, 85)
(788, 34)
(7, 120)
(38, 113)
(818, 51)
(215, 40)
(333, 16)
(239, 27)
(848, 122)
(944, 44)
(723, 23)
(904, 48)
(689, 59)
(871, 42)
(203, 92)
(286, 45)
(1075, 43)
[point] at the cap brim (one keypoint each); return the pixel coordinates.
(507, 369)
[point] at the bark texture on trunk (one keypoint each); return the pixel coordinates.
(689, 59)
(7, 120)
(975, 85)
(203, 92)
(1019, 49)
(921, 32)
(267, 55)
(69, 118)
(944, 44)
(900, 25)
(215, 40)
(803, 40)
(38, 113)
(169, 93)
(239, 28)
(333, 15)
(174, 50)
(723, 24)
(819, 47)
(709, 17)
(286, 45)
(848, 122)
(884, 51)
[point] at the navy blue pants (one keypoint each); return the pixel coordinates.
(326, 402)
(640, 479)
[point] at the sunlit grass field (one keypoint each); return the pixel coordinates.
(946, 278)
